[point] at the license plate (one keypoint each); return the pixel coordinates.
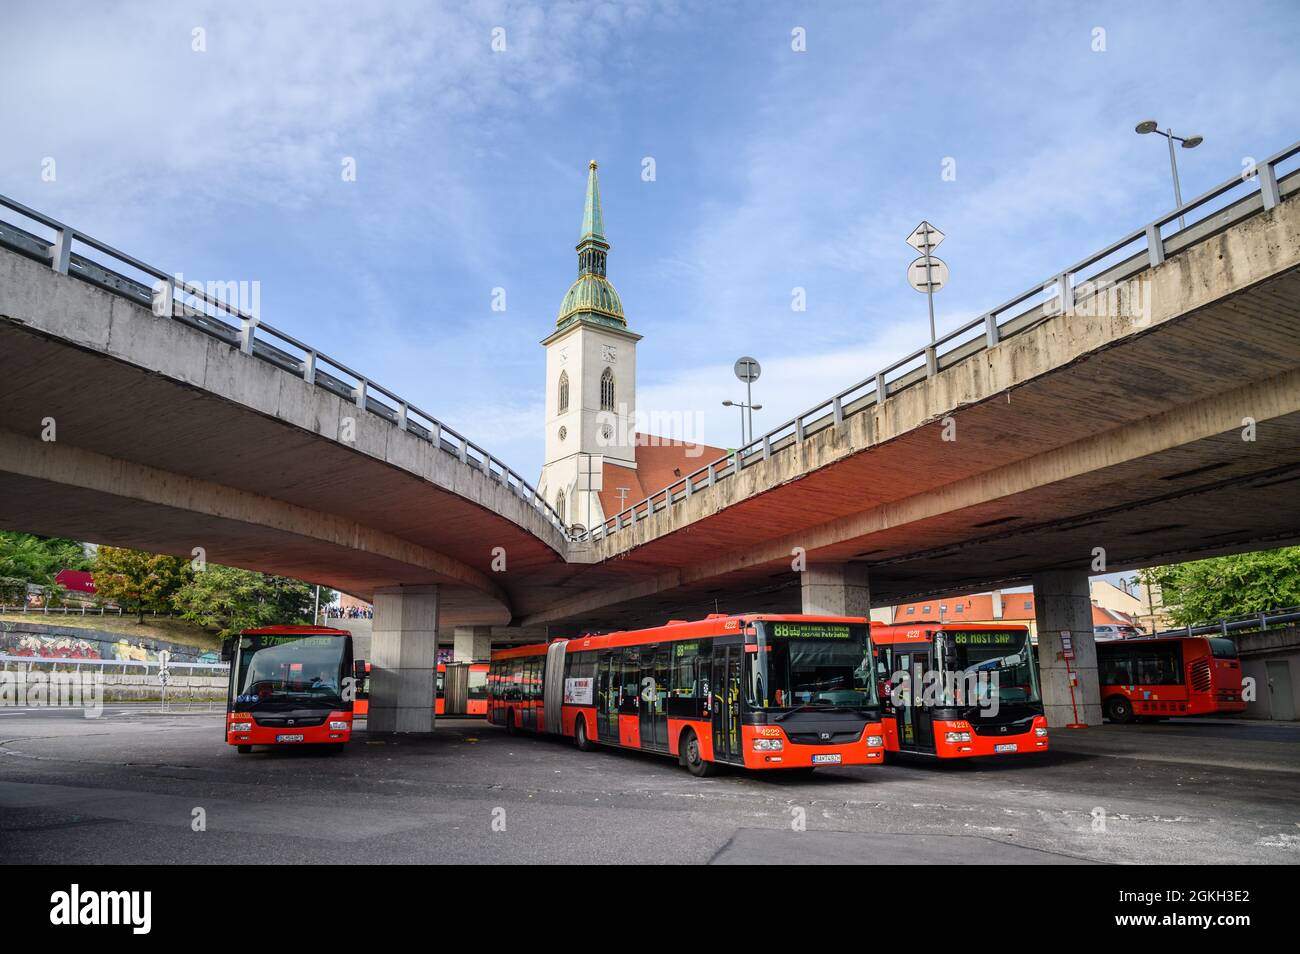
(826, 760)
(288, 738)
(1005, 747)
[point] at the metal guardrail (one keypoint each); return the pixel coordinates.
(1234, 624)
(79, 611)
(144, 668)
(169, 297)
(1065, 290)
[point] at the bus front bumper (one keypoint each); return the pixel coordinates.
(958, 739)
(762, 752)
(242, 728)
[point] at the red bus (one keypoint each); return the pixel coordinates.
(1158, 677)
(288, 686)
(471, 699)
(754, 691)
(958, 690)
(461, 689)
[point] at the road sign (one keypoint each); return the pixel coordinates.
(1067, 644)
(925, 236)
(748, 370)
(163, 677)
(930, 280)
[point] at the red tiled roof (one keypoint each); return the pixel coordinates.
(659, 462)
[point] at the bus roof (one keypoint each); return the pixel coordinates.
(294, 631)
(715, 624)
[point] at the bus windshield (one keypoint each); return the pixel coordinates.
(280, 672)
(981, 662)
(810, 665)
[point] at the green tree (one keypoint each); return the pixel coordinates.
(231, 599)
(35, 559)
(139, 581)
(1207, 591)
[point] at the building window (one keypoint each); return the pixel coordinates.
(1029, 605)
(911, 610)
(564, 391)
(960, 608)
(607, 390)
(925, 610)
(559, 506)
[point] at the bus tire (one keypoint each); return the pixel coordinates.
(580, 739)
(693, 758)
(244, 749)
(1119, 710)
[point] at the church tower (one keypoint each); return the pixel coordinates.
(590, 380)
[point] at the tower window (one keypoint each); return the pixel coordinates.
(607, 390)
(559, 506)
(564, 391)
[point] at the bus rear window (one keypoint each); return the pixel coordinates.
(1223, 648)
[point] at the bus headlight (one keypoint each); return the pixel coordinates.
(1040, 732)
(875, 741)
(241, 727)
(957, 737)
(768, 745)
(339, 726)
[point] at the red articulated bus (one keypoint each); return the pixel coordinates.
(959, 690)
(753, 691)
(288, 687)
(1158, 677)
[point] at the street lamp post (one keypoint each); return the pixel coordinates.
(745, 406)
(1190, 142)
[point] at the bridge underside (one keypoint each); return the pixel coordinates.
(144, 461)
(1138, 450)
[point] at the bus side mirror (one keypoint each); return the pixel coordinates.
(228, 649)
(359, 670)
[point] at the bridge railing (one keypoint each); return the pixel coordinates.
(1251, 622)
(1060, 293)
(170, 296)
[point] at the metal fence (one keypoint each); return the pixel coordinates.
(194, 306)
(81, 611)
(108, 666)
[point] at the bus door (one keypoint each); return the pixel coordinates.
(915, 721)
(608, 687)
(653, 704)
(725, 703)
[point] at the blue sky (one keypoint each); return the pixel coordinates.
(775, 169)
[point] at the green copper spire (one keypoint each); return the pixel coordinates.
(592, 297)
(593, 226)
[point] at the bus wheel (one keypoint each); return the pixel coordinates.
(580, 735)
(693, 759)
(245, 749)
(1119, 710)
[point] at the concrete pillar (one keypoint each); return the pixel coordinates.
(472, 644)
(1062, 601)
(836, 589)
(404, 651)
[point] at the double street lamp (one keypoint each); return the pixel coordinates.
(1190, 142)
(744, 441)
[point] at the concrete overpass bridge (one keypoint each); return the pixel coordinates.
(1102, 410)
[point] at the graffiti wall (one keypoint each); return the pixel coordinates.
(64, 642)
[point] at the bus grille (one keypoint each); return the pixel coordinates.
(815, 738)
(1201, 680)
